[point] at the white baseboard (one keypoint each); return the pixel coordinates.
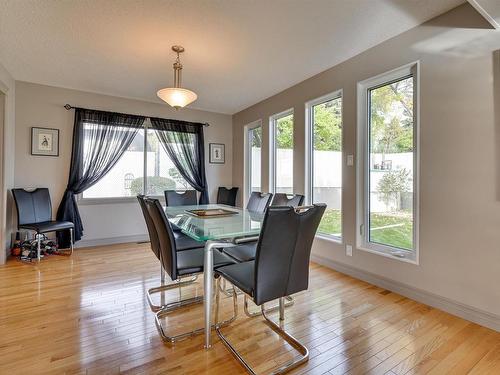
(467, 312)
(111, 241)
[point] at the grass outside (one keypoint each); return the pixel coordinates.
(393, 229)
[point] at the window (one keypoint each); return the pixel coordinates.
(388, 165)
(324, 160)
(126, 178)
(253, 157)
(282, 152)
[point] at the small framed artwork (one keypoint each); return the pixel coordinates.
(217, 153)
(44, 141)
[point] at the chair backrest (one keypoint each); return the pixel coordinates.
(153, 236)
(259, 202)
(227, 196)
(177, 198)
(32, 206)
(167, 248)
(284, 250)
(281, 199)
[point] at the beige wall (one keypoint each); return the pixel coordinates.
(460, 208)
(7, 90)
(39, 105)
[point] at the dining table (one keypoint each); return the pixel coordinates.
(232, 225)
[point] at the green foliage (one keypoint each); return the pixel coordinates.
(157, 184)
(391, 117)
(393, 182)
(257, 137)
(328, 126)
(284, 132)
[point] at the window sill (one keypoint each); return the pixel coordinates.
(399, 255)
(330, 238)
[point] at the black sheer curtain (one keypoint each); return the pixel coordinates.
(183, 142)
(99, 140)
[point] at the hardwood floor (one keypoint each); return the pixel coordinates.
(87, 314)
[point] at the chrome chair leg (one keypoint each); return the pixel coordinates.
(164, 312)
(252, 314)
(279, 329)
(71, 240)
(164, 287)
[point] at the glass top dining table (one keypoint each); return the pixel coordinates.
(214, 233)
(241, 223)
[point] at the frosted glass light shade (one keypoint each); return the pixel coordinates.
(177, 97)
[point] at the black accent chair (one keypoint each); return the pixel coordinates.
(281, 268)
(246, 251)
(258, 202)
(178, 264)
(182, 242)
(281, 199)
(227, 196)
(177, 198)
(34, 212)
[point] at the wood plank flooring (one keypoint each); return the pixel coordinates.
(87, 314)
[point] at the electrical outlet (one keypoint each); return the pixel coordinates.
(350, 160)
(348, 250)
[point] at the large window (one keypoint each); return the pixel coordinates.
(253, 157)
(388, 196)
(324, 177)
(127, 177)
(282, 152)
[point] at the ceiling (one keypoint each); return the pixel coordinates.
(238, 52)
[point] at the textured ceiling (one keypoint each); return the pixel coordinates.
(237, 52)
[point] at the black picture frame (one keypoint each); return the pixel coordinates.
(51, 137)
(217, 153)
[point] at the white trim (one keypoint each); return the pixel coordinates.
(112, 241)
(247, 188)
(272, 145)
(483, 12)
(362, 194)
(338, 94)
(451, 306)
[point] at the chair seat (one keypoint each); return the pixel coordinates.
(243, 252)
(48, 226)
(184, 242)
(191, 261)
(240, 275)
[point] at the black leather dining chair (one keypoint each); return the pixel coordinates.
(182, 242)
(246, 251)
(178, 198)
(34, 213)
(280, 269)
(281, 199)
(227, 196)
(258, 202)
(178, 264)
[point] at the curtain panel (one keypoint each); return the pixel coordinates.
(184, 143)
(99, 140)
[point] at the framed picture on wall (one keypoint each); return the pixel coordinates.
(217, 153)
(44, 141)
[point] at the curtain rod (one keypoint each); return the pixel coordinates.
(69, 107)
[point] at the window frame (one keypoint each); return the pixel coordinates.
(363, 163)
(272, 146)
(247, 158)
(81, 200)
(309, 156)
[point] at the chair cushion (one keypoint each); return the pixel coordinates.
(240, 275)
(48, 226)
(184, 242)
(243, 252)
(191, 261)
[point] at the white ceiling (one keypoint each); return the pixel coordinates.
(238, 52)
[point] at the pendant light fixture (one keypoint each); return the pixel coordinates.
(176, 96)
